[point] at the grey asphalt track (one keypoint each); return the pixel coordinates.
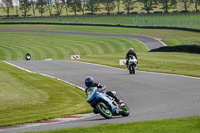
(150, 96)
(151, 43)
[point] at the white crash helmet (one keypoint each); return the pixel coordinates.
(130, 50)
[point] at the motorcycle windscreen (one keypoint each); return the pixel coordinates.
(90, 92)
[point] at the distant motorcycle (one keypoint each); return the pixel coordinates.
(28, 56)
(105, 104)
(132, 64)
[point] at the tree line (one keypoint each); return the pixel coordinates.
(90, 5)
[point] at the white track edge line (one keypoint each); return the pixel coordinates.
(89, 115)
(63, 119)
(43, 75)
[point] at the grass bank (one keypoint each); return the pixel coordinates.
(180, 125)
(104, 50)
(174, 63)
(25, 98)
(190, 21)
(58, 47)
(55, 96)
(170, 37)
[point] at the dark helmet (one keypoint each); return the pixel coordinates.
(130, 50)
(89, 81)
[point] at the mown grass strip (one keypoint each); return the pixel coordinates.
(191, 21)
(178, 125)
(51, 46)
(65, 45)
(170, 37)
(174, 63)
(16, 84)
(106, 52)
(25, 98)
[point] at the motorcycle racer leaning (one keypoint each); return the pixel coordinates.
(130, 54)
(89, 82)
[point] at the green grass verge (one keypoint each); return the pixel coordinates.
(58, 47)
(179, 125)
(189, 21)
(170, 37)
(25, 98)
(174, 63)
(102, 50)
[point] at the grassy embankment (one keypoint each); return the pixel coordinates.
(25, 98)
(105, 50)
(102, 50)
(28, 97)
(184, 20)
(181, 125)
(190, 21)
(170, 37)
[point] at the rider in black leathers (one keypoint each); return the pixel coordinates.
(28, 56)
(129, 54)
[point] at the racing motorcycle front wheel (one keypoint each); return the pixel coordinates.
(125, 110)
(132, 69)
(104, 110)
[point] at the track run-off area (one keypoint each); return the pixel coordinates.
(149, 96)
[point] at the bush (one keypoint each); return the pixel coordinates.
(180, 48)
(158, 12)
(134, 13)
(176, 11)
(120, 13)
(184, 11)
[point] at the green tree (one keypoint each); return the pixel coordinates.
(118, 5)
(75, 5)
(59, 4)
(49, 6)
(41, 6)
(24, 6)
(128, 5)
(196, 4)
(83, 5)
(16, 10)
(109, 5)
(93, 6)
(16, 7)
(33, 6)
(186, 4)
(167, 4)
(148, 4)
(66, 6)
(7, 5)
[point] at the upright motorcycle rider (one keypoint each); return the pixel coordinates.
(130, 53)
(89, 82)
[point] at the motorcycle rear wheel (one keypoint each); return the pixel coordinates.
(104, 110)
(132, 69)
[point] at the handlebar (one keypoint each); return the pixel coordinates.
(102, 89)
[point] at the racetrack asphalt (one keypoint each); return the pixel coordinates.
(149, 96)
